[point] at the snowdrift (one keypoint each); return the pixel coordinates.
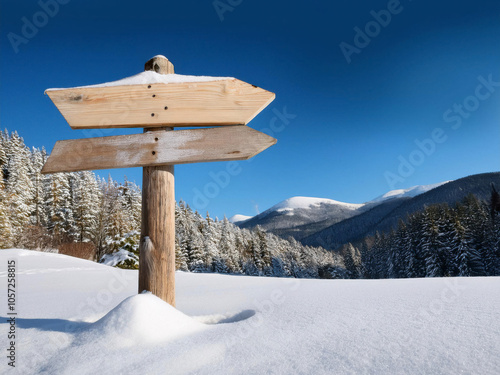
(142, 319)
(79, 317)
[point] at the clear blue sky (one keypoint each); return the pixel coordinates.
(354, 122)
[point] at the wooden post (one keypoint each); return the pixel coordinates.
(157, 246)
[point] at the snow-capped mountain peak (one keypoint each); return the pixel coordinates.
(308, 202)
(410, 192)
(235, 219)
(297, 211)
(290, 216)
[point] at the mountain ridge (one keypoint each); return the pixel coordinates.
(300, 216)
(371, 221)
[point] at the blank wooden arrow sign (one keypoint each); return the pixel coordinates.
(212, 103)
(157, 148)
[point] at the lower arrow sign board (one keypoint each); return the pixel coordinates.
(157, 148)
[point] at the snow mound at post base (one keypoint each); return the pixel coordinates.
(143, 319)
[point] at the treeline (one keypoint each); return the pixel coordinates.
(46, 211)
(205, 245)
(463, 240)
(60, 210)
(51, 211)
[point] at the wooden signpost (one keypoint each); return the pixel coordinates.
(159, 107)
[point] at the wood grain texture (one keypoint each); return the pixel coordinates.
(157, 148)
(215, 103)
(159, 64)
(157, 247)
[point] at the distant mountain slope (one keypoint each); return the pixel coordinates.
(300, 217)
(386, 216)
(237, 219)
(355, 227)
(452, 192)
(410, 192)
(298, 211)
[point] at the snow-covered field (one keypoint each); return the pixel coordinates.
(78, 317)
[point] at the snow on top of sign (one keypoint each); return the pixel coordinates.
(150, 77)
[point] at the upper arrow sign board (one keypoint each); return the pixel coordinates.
(207, 103)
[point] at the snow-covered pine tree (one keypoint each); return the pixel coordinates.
(86, 198)
(255, 251)
(460, 249)
(430, 243)
(485, 241)
(210, 245)
(446, 233)
(5, 226)
(132, 203)
(379, 253)
(18, 184)
(264, 252)
(227, 246)
(366, 261)
(112, 222)
(495, 225)
(407, 251)
(60, 208)
(39, 215)
(180, 259)
(471, 219)
(393, 256)
(415, 232)
(494, 202)
(352, 260)
(195, 248)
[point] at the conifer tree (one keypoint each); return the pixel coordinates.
(351, 260)
(213, 260)
(5, 226)
(39, 216)
(59, 205)
(180, 259)
(430, 245)
(461, 250)
(18, 184)
(264, 252)
(195, 250)
(87, 196)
